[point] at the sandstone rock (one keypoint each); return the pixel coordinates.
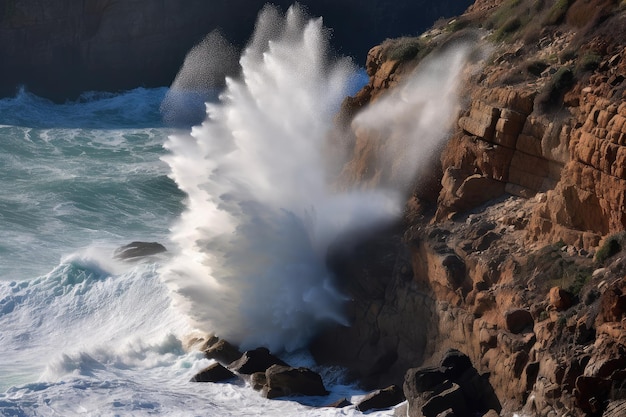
(213, 373)
(380, 399)
(613, 303)
(257, 360)
(138, 249)
(560, 299)
(282, 381)
(615, 409)
(518, 320)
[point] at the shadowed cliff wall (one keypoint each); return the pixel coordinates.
(59, 48)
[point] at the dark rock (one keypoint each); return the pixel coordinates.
(223, 352)
(283, 381)
(518, 320)
(425, 379)
(455, 384)
(340, 403)
(456, 363)
(591, 393)
(138, 249)
(380, 399)
(447, 413)
(257, 360)
(213, 373)
(485, 241)
(449, 395)
(258, 380)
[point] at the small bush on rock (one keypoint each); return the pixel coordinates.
(611, 246)
(557, 12)
(402, 49)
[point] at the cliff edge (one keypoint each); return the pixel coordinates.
(512, 247)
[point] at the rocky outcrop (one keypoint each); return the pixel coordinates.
(495, 258)
(453, 385)
(60, 48)
(257, 360)
(381, 399)
(214, 373)
(284, 381)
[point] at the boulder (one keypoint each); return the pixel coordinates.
(284, 381)
(381, 399)
(455, 384)
(258, 380)
(213, 373)
(138, 249)
(517, 320)
(257, 360)
(560, 299)
(223, 352)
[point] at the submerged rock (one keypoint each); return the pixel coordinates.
(138, 249)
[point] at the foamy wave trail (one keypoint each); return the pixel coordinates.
(88, 310)
(260, 216)
(98, 337)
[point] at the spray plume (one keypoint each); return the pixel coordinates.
(250, 264)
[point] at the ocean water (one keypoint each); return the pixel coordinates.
(241, 200)
(80, 332)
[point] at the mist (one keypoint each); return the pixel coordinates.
(260, 214)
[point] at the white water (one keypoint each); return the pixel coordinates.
(246, 257)
(260, 215)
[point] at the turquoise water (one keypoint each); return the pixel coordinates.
(82, 334)
(79, 174)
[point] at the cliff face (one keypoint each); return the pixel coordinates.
(496, 256)
(61, 48)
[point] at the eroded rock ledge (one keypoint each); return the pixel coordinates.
(503, 253)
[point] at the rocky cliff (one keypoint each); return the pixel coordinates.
(512, 247)
(60, 48)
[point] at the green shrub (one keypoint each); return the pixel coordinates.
(510, 27)
(611, 247)
(563, 79)
(504, 13)
(536, 68)
(551, 98)
(578, 282)
(588, 62)
(557, 12)
(402, 49)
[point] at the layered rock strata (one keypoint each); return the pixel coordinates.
(495, 258)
